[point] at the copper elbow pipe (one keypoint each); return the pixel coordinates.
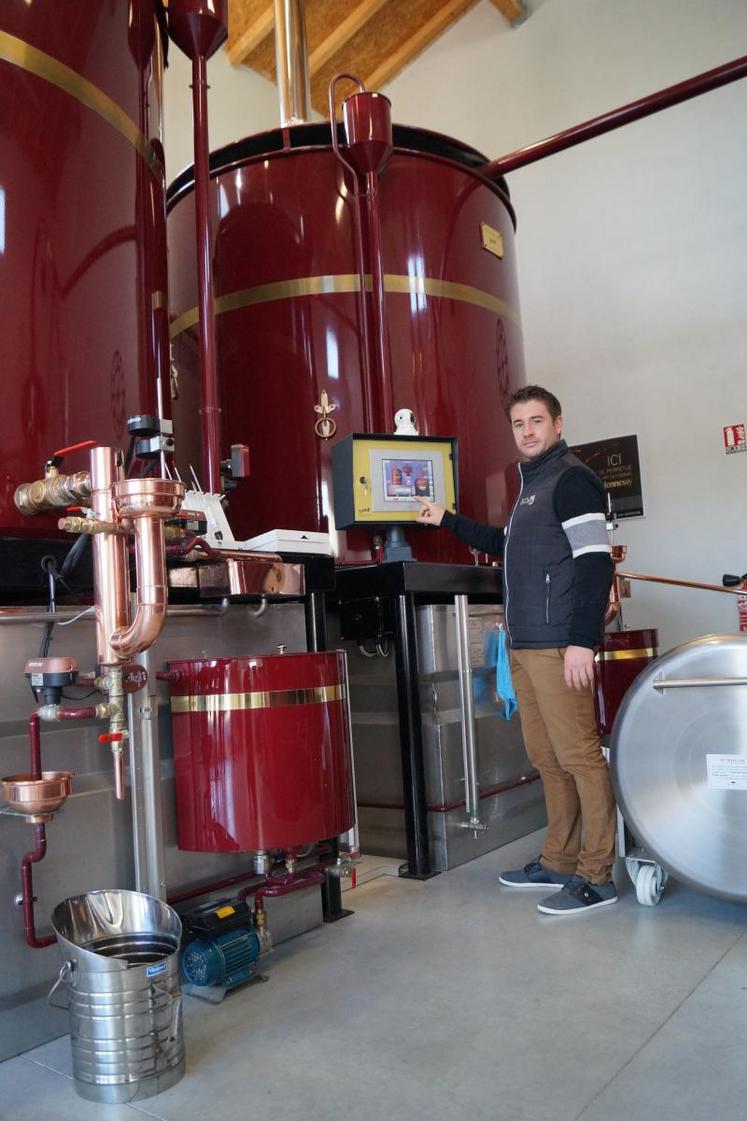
(147, 503)
(152, 590)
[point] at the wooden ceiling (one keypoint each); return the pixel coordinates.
(374, 39)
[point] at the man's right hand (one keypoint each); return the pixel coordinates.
(431, 513)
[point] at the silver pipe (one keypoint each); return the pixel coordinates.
(352, 837)
(145, 786)
(469, 742)
(14, 615)
(697, 682)
(291, 61)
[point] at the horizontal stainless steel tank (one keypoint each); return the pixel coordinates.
(679, 763)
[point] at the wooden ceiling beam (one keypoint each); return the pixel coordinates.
(447, 14)
(515, 11)
(249, 39)
(337, 39)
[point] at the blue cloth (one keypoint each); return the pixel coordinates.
(496, 654)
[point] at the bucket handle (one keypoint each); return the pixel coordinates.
(65, 976)
(176, 1010)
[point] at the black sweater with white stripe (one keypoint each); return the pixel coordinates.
(578, 510)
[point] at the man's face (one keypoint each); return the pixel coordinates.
(534, 429)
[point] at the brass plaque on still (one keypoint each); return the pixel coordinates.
(491, 239)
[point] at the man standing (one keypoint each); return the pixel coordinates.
(557, 572)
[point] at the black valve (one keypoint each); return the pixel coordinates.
(730, 581)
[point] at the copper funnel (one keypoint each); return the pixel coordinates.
(34, 797)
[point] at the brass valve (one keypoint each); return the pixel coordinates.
(53, 492)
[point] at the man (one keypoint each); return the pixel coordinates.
(557, 572)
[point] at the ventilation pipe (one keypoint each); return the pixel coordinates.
(616, 118)
(291, 62)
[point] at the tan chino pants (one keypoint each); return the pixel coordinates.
(562, 742)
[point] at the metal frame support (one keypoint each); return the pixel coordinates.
(145, 780)
(411, 742)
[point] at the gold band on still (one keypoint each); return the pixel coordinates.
(265, 698)
(42, 65)
(334, 284)
(624, 655)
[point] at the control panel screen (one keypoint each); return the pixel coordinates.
(405, 479)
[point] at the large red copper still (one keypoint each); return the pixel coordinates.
(84, 315)
(287, 272)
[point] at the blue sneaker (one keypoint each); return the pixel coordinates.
(534, 875)
(578, 895)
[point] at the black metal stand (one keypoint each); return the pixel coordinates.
(316, 639)
(407, 584)
(411, 743)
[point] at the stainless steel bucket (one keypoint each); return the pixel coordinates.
(121, 975)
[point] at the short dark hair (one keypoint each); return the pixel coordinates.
(534, 393)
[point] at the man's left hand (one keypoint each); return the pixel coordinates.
(578, 670)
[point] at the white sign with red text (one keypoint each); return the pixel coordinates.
(735, 439)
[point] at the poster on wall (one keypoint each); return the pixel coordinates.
(616, 463)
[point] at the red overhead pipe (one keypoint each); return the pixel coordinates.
(198, 27)
(367, 122)
(616, 118)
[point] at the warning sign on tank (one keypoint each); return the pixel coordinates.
(727, 772)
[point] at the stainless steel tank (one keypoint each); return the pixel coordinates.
(679, 763)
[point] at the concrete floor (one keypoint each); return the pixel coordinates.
(456, 999)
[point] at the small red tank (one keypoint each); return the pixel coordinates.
(624, 654)
(261, 751)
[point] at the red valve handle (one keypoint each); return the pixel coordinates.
(111, 737)
(74, 448)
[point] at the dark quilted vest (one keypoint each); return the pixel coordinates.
(538, 564)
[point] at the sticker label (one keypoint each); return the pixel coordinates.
(224, 912)
(727, 772)
(154, 970)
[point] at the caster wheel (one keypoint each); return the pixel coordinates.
(649, 884)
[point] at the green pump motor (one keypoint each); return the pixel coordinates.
(222, 946)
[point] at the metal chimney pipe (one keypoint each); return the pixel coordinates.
(291, 61)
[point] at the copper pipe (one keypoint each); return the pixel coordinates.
(682, 583)
(616, 118)
(147, 503)
(119, 773)
(152, 591)
(111, 571)
(27, 891)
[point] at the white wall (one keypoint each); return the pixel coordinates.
(632, 255)
(240, 103)
(632, 248)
